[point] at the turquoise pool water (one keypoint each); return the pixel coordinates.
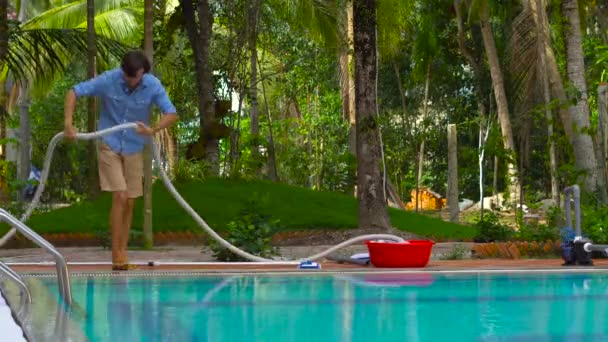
(347, 307)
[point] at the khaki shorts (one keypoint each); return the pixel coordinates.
(120, 172)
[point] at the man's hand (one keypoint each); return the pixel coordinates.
(69, 132)
(143, 129)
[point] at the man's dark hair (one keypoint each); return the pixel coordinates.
(133, 61)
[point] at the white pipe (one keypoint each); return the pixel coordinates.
(178, 197)
(589, 247)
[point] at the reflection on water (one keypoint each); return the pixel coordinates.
(45, 319)
(371, 307)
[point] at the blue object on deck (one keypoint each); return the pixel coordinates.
(360, 257)
(32, 183)
(306, 265)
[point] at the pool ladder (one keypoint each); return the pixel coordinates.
(62, 268)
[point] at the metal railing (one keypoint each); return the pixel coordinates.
(62, 268)
(17, 279)
(575, 192)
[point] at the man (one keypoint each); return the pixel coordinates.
(127, 95)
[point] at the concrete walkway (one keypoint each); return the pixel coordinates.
(185, 253)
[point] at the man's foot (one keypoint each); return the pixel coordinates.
(123, 267)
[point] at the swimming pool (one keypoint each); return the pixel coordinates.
(432, 306)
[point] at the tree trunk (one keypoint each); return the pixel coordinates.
(212, 151)
(235, 133)
(425, 107)
(479, 92)
(25, 133)
(200, 39)
(252, 22)
(344, 59)
(495, 180)
(501, 99)
(352, 119)
(373, 213)
(601, 9)
(3, 30)
(93, 176)
(575, 64)
(3, 112)
(539, 10)
(149, 51)
(23, 166)
(602, 109)
(347, 82)
(272, 159)
(453, 173)
(351, 79)
(483, 138)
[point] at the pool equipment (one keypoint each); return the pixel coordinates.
(167, 182)
(309, 265)
(575, 248)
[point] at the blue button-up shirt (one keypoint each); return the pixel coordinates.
(121, 105)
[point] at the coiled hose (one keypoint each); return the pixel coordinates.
(98, 134)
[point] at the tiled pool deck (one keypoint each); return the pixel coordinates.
(439, 265)
(184, 258)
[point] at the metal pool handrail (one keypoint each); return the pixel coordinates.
(62, 268)
(575, 192)
(17, 279)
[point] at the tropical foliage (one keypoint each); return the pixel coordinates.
(267, 91)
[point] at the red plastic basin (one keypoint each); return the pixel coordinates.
(410, 253)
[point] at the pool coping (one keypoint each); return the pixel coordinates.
(458, 266)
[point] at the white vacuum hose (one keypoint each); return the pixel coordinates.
(178, 197)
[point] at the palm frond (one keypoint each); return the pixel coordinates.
(118, 24)
(38, 56)
(316, 17)
(73, 14)
(394, 17)
(69, 15)
(522, 56)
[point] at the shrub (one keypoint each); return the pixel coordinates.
(252, 232)
(594, 223)
(190, 170)
(491, 229)
(459, 252)
(539, 232)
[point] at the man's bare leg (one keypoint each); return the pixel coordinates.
(127, 220)
(117, 215)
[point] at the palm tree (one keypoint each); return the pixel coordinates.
(3, 29)
(149, 51)
(371, 194)
(199, 28)
(574, 118)
(3, 93)
(91, 112)
(542, 61)
(500, 96)
(576, 74)
(23, 164)
(253, 10)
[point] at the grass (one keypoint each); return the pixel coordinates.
(218, 201)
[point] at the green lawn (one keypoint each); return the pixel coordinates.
(218, 201)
